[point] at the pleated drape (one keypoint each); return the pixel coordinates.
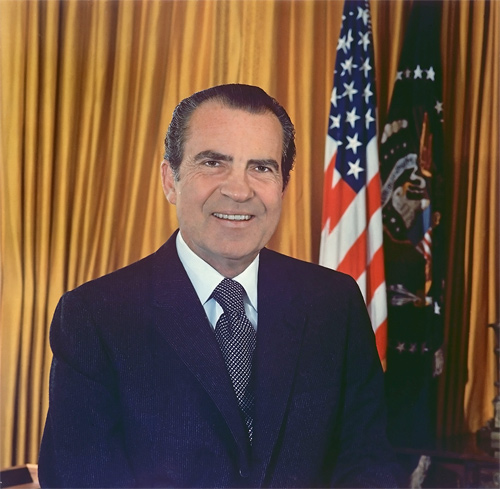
(471, 54)
(87, 91)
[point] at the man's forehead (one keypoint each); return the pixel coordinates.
(210, 119)
(208, 107)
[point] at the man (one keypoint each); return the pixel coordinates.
(157, 382)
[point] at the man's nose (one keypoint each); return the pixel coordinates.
(236, 186)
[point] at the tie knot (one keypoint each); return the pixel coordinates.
(229, 294)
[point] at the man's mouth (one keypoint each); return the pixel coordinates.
(233, 217)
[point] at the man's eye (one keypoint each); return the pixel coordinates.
(262, 169)
(211, 163)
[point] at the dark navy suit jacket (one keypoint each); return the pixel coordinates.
(140, 396)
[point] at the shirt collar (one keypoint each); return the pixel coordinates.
(205, 278)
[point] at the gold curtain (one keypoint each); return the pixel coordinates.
(87, 91)
(471, 54)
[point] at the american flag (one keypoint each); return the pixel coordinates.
(351, 237)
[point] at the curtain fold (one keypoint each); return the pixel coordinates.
(87, 91)
(471, 55)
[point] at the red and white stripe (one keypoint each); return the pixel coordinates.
(352, 235)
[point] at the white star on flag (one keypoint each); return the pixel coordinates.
(353, 143)
(350, 90)
(355, 169)
(351, 117)
(349, 40)
(335, 121)
(348, 66)
(334, 97)
(366, 67)
(364, 15)
(364, 40)
(368, 118)
(367, 93)
(342, 45)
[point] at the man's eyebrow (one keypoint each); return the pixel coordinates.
(212, 155)
(215, 155)
(266, 162)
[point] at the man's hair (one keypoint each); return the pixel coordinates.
(246, 97)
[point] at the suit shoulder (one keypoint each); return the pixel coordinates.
(131, 280)
(120, 277)
(305, 271)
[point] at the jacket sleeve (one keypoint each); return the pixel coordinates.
(364, 455)
(82, 442)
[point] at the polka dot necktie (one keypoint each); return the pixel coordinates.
(237, 338)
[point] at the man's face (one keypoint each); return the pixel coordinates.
(230, 188)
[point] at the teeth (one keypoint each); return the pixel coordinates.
(233, 217)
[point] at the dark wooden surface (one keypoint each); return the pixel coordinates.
(459, 461)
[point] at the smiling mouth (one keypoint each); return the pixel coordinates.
(233, 217)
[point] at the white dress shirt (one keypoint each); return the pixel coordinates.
(205, 278)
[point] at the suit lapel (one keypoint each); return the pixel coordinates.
(181, 319)
(279, 339)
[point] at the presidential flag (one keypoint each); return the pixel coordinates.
(351, 237)
(411, 155)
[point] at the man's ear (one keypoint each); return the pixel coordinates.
(168, 182)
